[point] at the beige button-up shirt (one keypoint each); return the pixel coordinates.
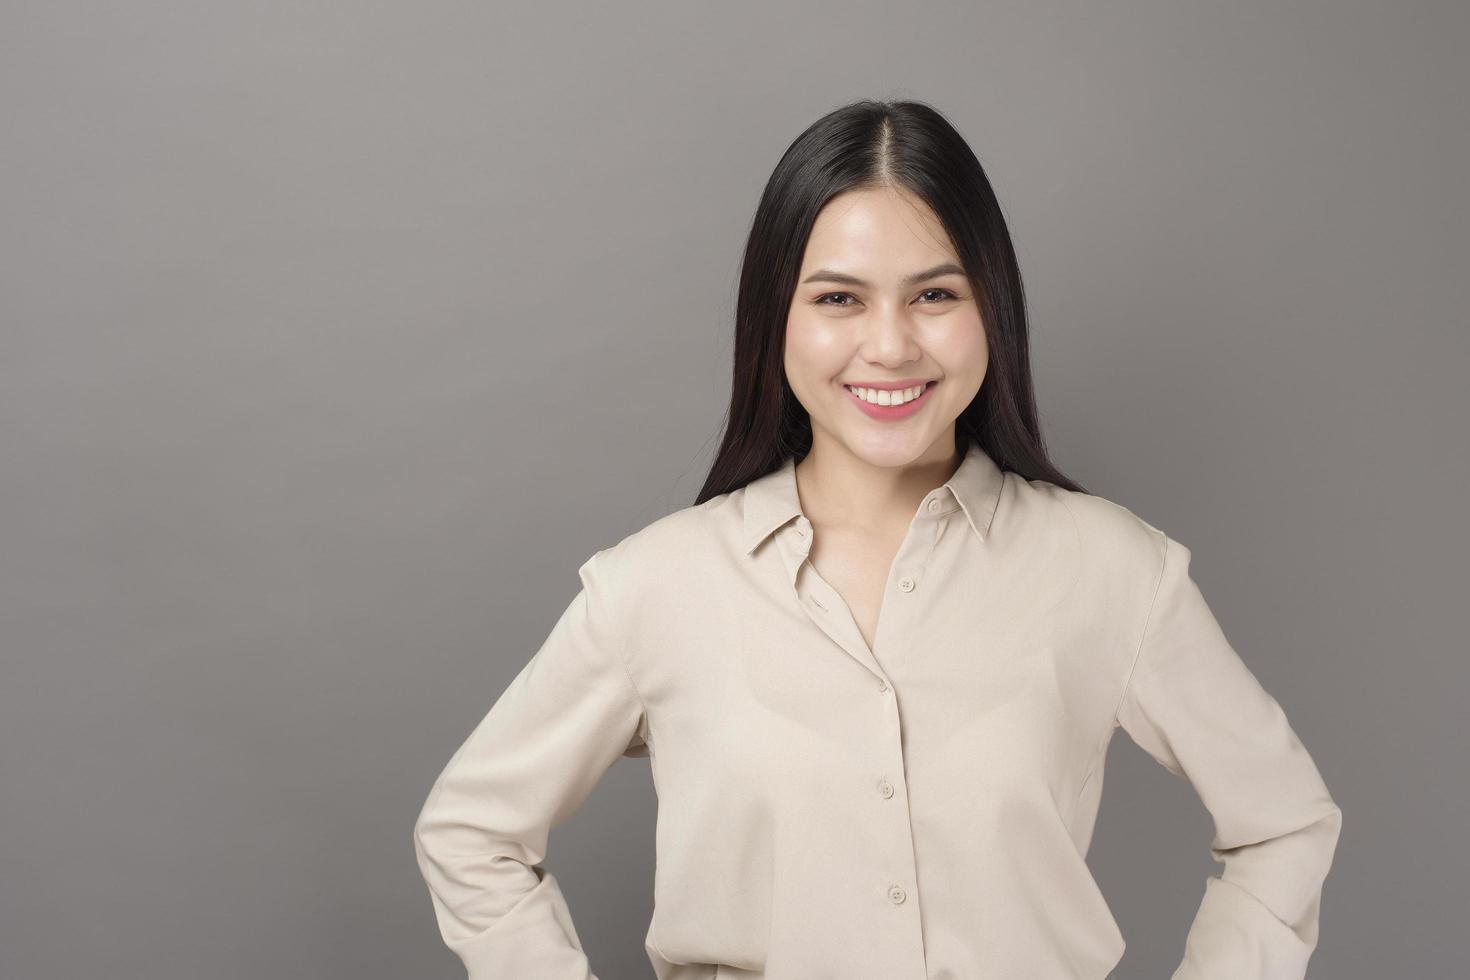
(917, 810)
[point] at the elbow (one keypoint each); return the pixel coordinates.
(425, 831)
(1315, 843)
(1324, 831)
(1333, 827)
(451, 841)
(440, 850)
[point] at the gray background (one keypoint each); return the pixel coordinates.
(335, 337)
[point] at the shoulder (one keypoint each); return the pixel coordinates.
(685, 545)
(1111, 537)
(668, 575)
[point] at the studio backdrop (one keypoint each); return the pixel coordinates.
(334, 337)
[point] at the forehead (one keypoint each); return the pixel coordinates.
(873, 229)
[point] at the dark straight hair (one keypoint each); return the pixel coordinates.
(863, 145)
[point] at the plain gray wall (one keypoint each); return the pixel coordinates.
(337, 335)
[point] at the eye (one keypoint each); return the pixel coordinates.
(944, 294)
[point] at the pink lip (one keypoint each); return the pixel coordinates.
(892, 413)
(892, 385)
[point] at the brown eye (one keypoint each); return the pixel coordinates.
(822, 299)
(946, 293)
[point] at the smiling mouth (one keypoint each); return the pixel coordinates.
(885, 398)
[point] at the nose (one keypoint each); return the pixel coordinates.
(888, 336)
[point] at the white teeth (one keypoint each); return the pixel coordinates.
(884, 397)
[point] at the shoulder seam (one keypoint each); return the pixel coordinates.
(1147, 621)
(620, 651)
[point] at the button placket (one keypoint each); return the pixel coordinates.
(912, 559)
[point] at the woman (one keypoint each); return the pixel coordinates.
(877, 665)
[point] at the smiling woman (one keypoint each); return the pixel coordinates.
(877, 665)
(903, 346)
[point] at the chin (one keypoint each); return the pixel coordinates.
(900, 451)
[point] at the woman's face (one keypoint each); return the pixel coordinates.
(861, 313)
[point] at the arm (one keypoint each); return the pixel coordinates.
(569, 714)
(1193, 705)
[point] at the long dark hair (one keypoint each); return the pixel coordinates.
(870, 144)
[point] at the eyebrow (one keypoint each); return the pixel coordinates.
(832, 275)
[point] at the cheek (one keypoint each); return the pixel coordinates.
(960, 346)
(815, 350)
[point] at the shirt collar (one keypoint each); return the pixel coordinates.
(771, 500)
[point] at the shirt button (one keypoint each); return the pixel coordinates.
(882, 687)
(933, 505)
(906, 584)
(885, 788)
(896, 894)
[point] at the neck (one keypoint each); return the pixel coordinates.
(839, 488)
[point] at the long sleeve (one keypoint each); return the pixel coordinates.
(1193, 705)
(481, 836)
